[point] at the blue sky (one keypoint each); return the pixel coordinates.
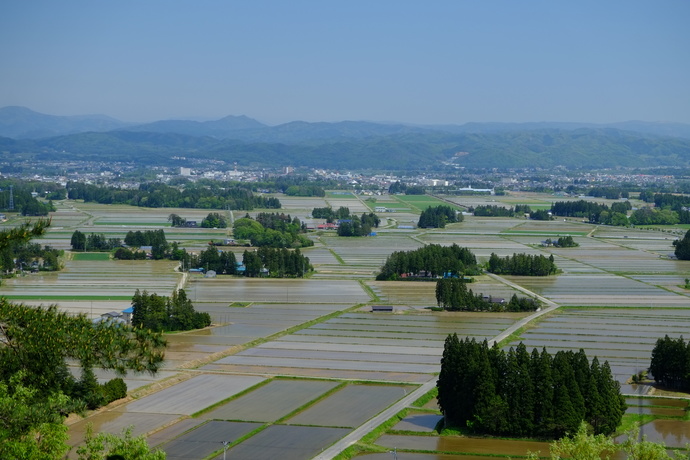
(425, 62)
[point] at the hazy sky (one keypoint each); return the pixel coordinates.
(427, 62)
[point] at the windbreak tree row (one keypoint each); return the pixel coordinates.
(429, 262)
(453, 295)
(517, 393)
(522, 265)
(156, 195)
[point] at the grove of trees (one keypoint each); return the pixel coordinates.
(522, 265)
(204, 195)
(429, 262)
(453, 295)
(276, 263)
(438, 217)
(161, 313)
(272, 230)
(682, 247)
(358, 226)
(515, 393)
(670, 364)
(214, 220)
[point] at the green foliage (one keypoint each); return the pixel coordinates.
(305, 190)
(276, 263)
(214, 220)
(438, 217)
(214, 195)
(114, 389)
(493, 211)
(429, 262)
(682, 247)
(452, 294)
(160, 313)
(177, 221)
(562, 242)
(518, 394)
(582, 445)
(106, 445)
(356, 226)
(272, 230)
(670, 363)
(522, 265)
(330, 215)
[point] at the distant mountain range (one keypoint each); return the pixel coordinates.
(347, 144)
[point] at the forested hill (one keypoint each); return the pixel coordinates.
(582, 148)
(344, 145)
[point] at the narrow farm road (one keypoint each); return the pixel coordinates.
(372, 423)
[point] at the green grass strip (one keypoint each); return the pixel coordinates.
(91, 256)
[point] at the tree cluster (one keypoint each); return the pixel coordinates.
(93, 242)
(429, 262)
(453, 295)
(211, 258)
(358, 226)
(154, 238)
(214, 220)
(540, 214)
(161, 313)
(276, 263)
(331, 215)
(593, 212)
(438, 217)
(670, 364)
(282, 231)
(29, 256)
(213, 195)
(522, 394)
(493, 211)
(305, 190)
(682, 247)
(654, 216)
(563, 242)
(522, 265)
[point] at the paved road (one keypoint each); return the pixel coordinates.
(371, 424)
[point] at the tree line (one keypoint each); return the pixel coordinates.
(515, 393)
(272, 230)
(276, 263)
(429, 262)
(522, 265)
(156, 195)
(500, 211)
(593, 212)
(670, 364)
(452, 294)
(330, 214)
(682, 247)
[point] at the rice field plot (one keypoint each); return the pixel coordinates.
(599, 290)
(673, 433)
(467, 445)
(550, 228)
(481, 245)
(622, 260)
(114, 422)
(193, 395)
(369, 251)
(272, 401)
(319, 256)
(205, 439)
(354, 205)
(353, 404)
(397, 348)
(95, 280)
(423, 422)
(290, 203)
(286, 443)
(421, 202)
(276, 290)
(624, 337)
